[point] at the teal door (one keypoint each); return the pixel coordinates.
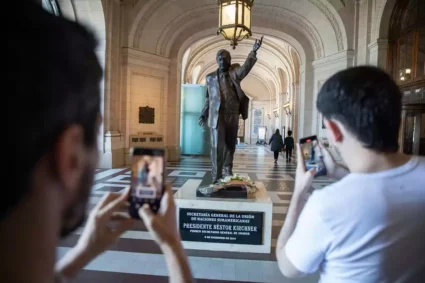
(194, 140)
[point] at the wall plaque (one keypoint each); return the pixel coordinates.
(258, 120)
(217, 226)
(241, 128)
(146, 115)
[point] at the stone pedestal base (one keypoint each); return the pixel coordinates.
(173, 153)
(237, 225)
(112, 156)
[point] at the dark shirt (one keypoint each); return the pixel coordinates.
(276, 142)
(229, 98)
(289, 142)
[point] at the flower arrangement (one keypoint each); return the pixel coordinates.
(229, 180)
(237, 179)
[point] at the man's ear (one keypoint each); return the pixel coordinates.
(70, 159)
(335, 130)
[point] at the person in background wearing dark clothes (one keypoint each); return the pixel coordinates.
(289, 146)
(276, 144)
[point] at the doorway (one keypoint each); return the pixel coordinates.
(413, 129)
(194, 140)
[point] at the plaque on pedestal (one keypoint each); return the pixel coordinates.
(225, 224)
(218, 226)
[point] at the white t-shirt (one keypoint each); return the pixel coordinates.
(364, 228)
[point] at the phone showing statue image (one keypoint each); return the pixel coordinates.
(147, 179)
(313, 156)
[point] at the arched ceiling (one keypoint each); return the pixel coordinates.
(255, 88)
(157, 26)
(273, 56)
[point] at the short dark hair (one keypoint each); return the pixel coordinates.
(368, 102)
(223, 51)
(53, 82)
(289, 133)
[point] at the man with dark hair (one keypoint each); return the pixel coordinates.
(369, 226)
(289, 146)
(53, 118)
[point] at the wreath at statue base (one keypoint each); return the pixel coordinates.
(232, 187)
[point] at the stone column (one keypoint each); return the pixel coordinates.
(173, 113)
(248, 124)
(279, 104)
(294, 118)
(356, 27)
(378, 52)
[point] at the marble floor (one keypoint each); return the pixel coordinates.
(136, 258)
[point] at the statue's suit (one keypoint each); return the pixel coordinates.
(222, 121)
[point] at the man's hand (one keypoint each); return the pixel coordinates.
(163, 224)
(164, 230)
(303, 178)
(257, 44)
(334, 169)
(105, 224)
(103, 228)
(202, 121)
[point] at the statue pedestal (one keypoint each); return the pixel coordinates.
(225, 224)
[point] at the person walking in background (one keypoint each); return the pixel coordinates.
(276, 144)
(289, 146)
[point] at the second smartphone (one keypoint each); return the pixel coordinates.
(313, 155)
(147, 179)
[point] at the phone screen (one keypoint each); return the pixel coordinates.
(147, 179)
(312, 155)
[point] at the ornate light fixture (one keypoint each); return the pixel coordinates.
(405, 74)
(287, 108)
(235, 20)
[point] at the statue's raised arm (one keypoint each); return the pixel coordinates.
(257, 44)
(244, 70)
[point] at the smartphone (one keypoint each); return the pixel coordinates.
(147, 179)
(313, 156)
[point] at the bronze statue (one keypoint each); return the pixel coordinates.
(225, 101)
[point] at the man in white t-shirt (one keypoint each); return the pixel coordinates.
(370, 225)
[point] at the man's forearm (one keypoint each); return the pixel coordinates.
(177, 263)
(297, 204)
(73, 261)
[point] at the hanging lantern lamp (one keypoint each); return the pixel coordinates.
(235, 20)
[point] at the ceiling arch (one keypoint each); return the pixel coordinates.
(158, 23)
(255, 88)
(210, 15)
(261, 72)
(275, 53)
(382, 26)
(283, 80)
(195, 74)
(301, 47)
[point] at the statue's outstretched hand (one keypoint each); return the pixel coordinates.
(257, 44)
(202, 121)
